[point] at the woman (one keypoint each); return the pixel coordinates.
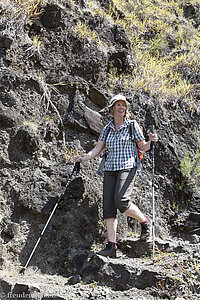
(120, 170)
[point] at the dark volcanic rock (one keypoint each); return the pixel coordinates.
(118, 275)
(5, 41)
(8, 118)
(51, 17)
(23, 144)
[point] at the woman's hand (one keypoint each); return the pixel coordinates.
(78, 159)
(153, 137)
(145, 146)
(93, 153)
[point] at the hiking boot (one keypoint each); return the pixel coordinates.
(108, 251)
(146, 231)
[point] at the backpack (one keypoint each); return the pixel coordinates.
(139, 153)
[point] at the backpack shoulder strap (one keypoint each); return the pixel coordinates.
(132, 130)
(138, 161)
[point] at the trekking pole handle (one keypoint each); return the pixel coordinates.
(77, 167)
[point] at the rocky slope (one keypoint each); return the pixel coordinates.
(55, 84)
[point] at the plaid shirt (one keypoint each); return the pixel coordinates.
(121, 149)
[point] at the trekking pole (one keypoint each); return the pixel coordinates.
(153, 201)
(76, 168)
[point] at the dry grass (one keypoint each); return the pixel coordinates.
(160, 72)
(16, 14)
(86, 33)
(180, 270)
(166, 48)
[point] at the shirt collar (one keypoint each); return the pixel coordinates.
(111, 124)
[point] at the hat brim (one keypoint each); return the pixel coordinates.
(127, 103)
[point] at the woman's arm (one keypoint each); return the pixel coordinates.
(145, 146)
(93, 153)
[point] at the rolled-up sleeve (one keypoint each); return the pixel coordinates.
(139, 136)
(103, 134)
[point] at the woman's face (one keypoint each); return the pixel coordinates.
(119, 109)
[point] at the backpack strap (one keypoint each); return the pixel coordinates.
(138, 161)
(103, 160)
(107, 132)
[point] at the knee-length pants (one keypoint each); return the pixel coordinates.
(117, 188)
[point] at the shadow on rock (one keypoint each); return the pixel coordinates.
(23, 144)
(66, 242)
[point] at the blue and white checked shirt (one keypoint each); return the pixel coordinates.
(121, 149)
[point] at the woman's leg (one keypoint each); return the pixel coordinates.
(123, 189)
(109, 183)
(111, 227)
(134, 212)
(109, 213)
(123, 192)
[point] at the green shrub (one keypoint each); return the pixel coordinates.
(190, 167)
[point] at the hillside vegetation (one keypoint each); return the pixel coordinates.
(165, 42)
(164, 38)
